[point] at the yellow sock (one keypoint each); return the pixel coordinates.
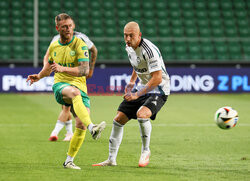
(76, 142)
(81, 110)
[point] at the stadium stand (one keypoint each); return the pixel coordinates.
(196, 31)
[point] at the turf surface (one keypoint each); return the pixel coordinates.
(185, 143)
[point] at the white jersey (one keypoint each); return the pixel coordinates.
(84, 37)
(145, 59)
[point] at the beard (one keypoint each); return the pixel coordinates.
(66, 37)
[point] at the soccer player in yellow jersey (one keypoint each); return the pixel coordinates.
(64, 118)
(68, 59)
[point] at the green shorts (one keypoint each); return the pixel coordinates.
(57, 89)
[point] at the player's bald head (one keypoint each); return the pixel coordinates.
(132, 34)
(132, 26)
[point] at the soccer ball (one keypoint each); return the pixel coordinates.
(226, 117)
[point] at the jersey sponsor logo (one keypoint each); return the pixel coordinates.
(54, 54)
(140, 70)
(153, 66)
(84, 48)
(72, 53)
(153, 61)
(67, 64)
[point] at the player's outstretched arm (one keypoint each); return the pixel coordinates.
(43, 73)
(32, 78)
(81, 70)
(93, 58)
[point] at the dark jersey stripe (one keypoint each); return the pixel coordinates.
(148, 50)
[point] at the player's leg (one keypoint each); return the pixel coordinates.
(126, 111)
(72, 94)
(116, 135)
(75, 143)
(68, 122)
(115, 139)
(62, 118)
(143, 117)
(149, 109)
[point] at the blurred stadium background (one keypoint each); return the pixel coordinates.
(206, 47)
(186, 31)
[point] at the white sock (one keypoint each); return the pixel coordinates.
(145, 129)
(115, 140)
(58, 127)
(69, 159)
(69, 127)
(90, 127)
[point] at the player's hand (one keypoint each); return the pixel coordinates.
(130, 96)
(33, 78)
(129, 87)
(56, 67)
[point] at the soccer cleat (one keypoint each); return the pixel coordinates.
(144, 159)
(105, 163)
(68, 137)
(53, 138)
(71, 165)
(97, 130)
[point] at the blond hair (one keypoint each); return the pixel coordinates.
(62, 16)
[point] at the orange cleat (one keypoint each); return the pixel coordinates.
(53, 138)
(144, 159)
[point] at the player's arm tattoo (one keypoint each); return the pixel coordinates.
(92, 64)
(83, 68)
(93, 51)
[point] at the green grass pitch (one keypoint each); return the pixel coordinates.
(185, 143)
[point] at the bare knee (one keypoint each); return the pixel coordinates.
(121, 118)
(144, 112)
(70, 92)
(75, 92)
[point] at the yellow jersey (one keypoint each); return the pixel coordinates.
(68, 55)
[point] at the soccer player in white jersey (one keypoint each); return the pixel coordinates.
(141, 102)
(64, 118)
